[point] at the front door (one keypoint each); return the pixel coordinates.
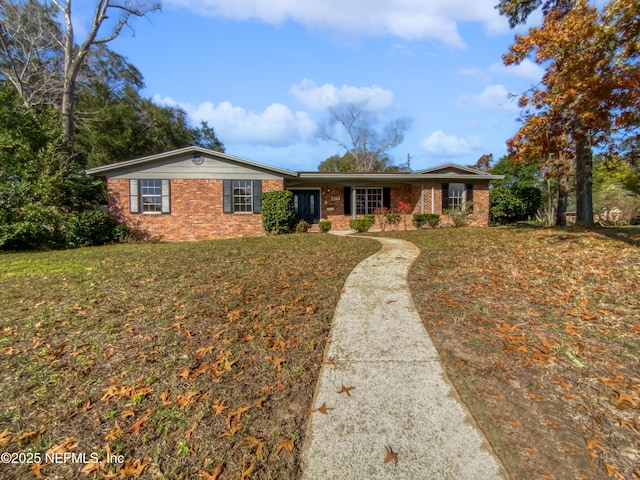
(307, 205)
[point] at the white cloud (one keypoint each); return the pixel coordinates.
(493, 97)
(527, 70)
(439, 144)
(276, 125)
(406, 19)
(374, 98)
(476, 73)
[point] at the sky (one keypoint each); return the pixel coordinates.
(263, 73)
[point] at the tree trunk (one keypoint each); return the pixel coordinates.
(67, 111)
(584, 177)
(561, 212)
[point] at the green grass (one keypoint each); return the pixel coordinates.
(151, 351)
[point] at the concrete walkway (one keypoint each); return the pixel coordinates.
(401, 400)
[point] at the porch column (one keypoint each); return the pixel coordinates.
(433, 199)
(353, 202)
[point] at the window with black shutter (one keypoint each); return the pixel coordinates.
(241, 196)
(149, 196)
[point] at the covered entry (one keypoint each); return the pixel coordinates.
(306, 204)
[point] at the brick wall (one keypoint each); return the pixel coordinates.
(196, 211)
(333, 210)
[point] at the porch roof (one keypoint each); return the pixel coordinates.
(309, 179)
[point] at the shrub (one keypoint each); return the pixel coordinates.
(278, 214)
(419, 220)
(90, 228)
(302, 227)
(381, 214)
(459, 217)
(433, 219)
(404, 209)
(122, 233)
(513, 204)
(363, 224)
(324, 226)
(394, 218)
(422, 219)
(40, 228)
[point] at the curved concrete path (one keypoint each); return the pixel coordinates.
(379, 346)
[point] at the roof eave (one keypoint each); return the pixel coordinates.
(104, 169)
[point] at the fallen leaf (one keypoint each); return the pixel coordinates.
(219, 408)
(35, 469)
(633, 425)
(593, 443)
(391, 455)
(114, 433)
(136, 468)
(286, 444)
(237, 413)
(613, 470)
(5, 436)
(246, 471)
(211, 476)
(323, 408)
(346, 390)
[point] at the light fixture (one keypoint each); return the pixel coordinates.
(197, 158)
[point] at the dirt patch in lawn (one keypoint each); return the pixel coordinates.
(194, 360)
(539, 330)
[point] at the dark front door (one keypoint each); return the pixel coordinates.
(307, 205)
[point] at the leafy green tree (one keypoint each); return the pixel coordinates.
(347, 163)
(517, 197)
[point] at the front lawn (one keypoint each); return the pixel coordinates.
(539, 331)
(193, 360)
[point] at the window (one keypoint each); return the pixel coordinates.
(242, 196)
(149, 196)
(457, 196)
(367, 200)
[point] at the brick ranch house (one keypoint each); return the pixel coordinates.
(193, 193)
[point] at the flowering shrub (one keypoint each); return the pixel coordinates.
(404, 209)
(381, 215)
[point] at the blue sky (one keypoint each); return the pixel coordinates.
(263, 73)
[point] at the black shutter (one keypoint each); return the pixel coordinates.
(469, 196)
(386, 197)
(347, 200)
(445, 196)
(256, 188)
(227, 196)
(134, 196)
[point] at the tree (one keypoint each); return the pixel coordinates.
(517, 197)
(590, 87)
(75, 54)
(336, 164)
(484, 162)
(30, 51)
(367, 146)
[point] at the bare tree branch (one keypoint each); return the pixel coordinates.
(366, 145)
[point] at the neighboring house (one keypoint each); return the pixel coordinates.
(194, 193)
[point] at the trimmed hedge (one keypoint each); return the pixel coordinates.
(363, 224)
(278, 214)
(324, 226)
